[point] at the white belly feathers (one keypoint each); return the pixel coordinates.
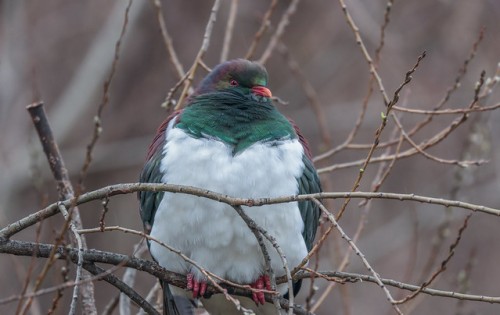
(212, 233)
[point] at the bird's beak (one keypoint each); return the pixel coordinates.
(262, 91)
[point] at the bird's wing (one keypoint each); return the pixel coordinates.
(149, 201)
(308, 184)
(151, 173)
(310, 212)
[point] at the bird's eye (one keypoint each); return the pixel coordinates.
(233, 83)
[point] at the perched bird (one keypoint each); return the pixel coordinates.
(229, 139)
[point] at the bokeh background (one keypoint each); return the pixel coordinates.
(61, 52)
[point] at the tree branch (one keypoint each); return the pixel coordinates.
(120, 189)
(22, 248)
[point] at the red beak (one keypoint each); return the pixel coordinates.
(262, 91)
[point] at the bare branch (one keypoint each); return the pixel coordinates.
(167, 40)
(263, 27)
(229, 30)
(379, 131)
(66, 191)
(368, 95)
(201, 53)
(451, 252)
(447, 111)
(22, 248)
(280, 30)
(334, 222)
(120, 189)
(104, 102)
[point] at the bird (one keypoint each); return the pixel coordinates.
(230, 139)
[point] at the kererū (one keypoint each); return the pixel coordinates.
(229, 139)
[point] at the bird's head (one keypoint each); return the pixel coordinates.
(239, 75)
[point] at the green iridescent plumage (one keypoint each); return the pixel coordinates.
(236, 119)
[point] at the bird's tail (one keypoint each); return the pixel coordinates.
(175, 304)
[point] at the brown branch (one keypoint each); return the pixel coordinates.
(201, 53)
(437, 138)
(66, 191)
(104, 102)
(344, 236)
(228, 35)
(347, 143)
(51, 150)
(266, 21)
(92, 256)
(111, 306)
(167, 40)
(311, 94)
(280, 30)
(366, 54)
(361, 116)
(259, 232)
(122, 287)
(451, 253)
(461, 73)
(120, 189)
(447, 111)
(379, 131)
(464, 163)
(22, 248)
(366, 204)
(169, 101)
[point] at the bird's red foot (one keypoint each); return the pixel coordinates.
(262, 282)
(199, 288)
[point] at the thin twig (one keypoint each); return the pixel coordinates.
(257, 231)
(228, 35)
(110, 307)
(104, 102)
(447, 111)
(167, 40)
(366, 204)
(457, 82)
(280, 30)
(266, 21)
(461, 73)
(310, 92)
(201, 53)
(151, 296)
(334, 222)
(169, 101)
(366, 54)
(465, 163)
(444, 263)
(79, 264)
(379, 131)
(361, 116)
(129, 278)
(122, 287)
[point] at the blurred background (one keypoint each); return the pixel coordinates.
(61, 52)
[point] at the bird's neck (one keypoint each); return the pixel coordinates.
(238, 122)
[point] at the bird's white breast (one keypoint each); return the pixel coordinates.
(212, 233)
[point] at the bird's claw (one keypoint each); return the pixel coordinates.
(263, 282)
(199, 288)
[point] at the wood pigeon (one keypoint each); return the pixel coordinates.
(229, 139)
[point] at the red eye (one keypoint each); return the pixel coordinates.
(233, 83)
